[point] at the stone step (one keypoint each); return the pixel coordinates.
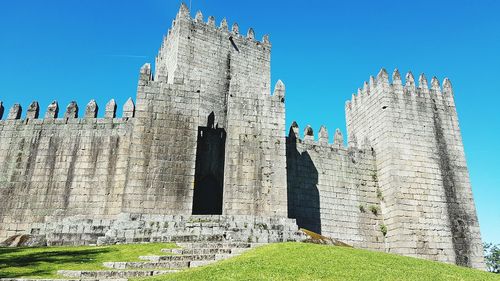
(239, 251)
(202, 251)
(111, 274)
(219, 257)
(24, 279)
(194, 264)
(147, 265)
(178, 258)
(214, 245)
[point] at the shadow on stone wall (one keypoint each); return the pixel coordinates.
(209, 171)
(302, 182)
(460, 221)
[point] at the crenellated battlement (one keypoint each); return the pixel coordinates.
(211, 48)
(323, 138)
(71, 111)
(210, 23)
(421, 90)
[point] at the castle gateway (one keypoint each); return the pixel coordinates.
(202, 154)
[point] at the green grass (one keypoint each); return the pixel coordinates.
(300, 261)
(286, 261)
(44, 262)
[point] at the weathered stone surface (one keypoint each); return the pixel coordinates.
(110, 111)
(128, 109)
(33, 111)
(251, 34)
(25, 240)
(112, 274)
(91, 109)
(148, 265)
(52, 110)
(211, 21)
(327, 186)
(308, 134)
(223, 24)
(338, 139)
(229, 231)
(71, 110)
(15, 112)
(235, 29)
(265, 39)
(199, 16)
(323, 135)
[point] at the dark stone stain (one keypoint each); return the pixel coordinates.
(422, 101)
(233, 44)
(457, 216)
(50, 163)
(28, 170)
(19, 156)
(114, 145)
(227, 86)
(6, 191)
(70, 173)
(95, 148)
(31, 161)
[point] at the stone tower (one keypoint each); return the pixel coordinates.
(421, 170)
(209, 79)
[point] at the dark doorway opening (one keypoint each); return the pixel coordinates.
(209, 171)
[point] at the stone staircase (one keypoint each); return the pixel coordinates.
(128, 228)
(189, 255)
(203, 239)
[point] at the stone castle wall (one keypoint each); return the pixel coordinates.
(333, 190)
(163, 148)
(428, 206)
(60, 166)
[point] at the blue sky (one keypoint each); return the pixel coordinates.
(323, 51)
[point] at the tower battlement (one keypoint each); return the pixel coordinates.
(223, 27)
(211, 50)
(419, 91)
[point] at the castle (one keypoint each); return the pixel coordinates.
(202, 154)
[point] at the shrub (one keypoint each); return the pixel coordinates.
(383, 229)
(374, 209)
(362, 208)
(492, 257)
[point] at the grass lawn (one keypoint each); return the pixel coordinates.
(300, 261)
(44, 262)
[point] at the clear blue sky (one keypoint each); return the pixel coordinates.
(323, 51)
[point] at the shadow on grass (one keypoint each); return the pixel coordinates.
(32, 260)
